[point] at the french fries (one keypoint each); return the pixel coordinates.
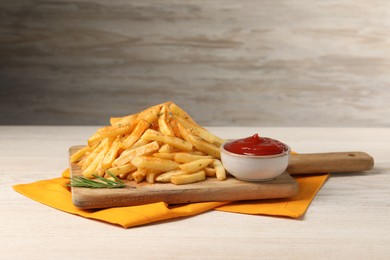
(159, 144)
(123, 169)
(153, 135)
(188, 178)
(189, 157)
(128, 155)
(219, 170)
(201, 132)
(196, 165)
(166, 176)
(80, 153)
(154, 163)
(139, 129)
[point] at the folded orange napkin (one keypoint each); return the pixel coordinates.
(56, 193)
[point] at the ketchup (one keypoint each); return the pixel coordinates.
(256, 145)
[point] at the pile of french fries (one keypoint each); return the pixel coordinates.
(160, 144)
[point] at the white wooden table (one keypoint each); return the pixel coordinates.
(348, 219)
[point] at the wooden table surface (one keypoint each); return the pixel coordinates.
(348, 219)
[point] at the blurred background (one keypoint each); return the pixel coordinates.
(263, 63)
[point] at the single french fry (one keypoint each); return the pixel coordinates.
(169, 156)
(139, 175)
(173, 123)
(205, 147)
(94, 139)
(188, 178)
(123, 175)
(66, 173)
(183, 132)
(166, 176)
(140, 128)
(139, 143)
(120, 176)
(150, 115)
(189, 157)
(130, 176)
(100, 170)
(171, 140)
(123, 121)
(114, 120)
(128, 155)
(165, 148)
(206, 135)
(210, 172)
(113, 132)
(125, 168)
(111, 154)
(195, 166)
(164, 127)
(179, 112)
(199, 153)
(80, 163)
(219, 170)
(200, 132)
(152, 175)
(156, 164)
(80, 153)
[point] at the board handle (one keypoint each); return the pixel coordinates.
(329, 162)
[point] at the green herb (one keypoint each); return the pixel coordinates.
(80, 181)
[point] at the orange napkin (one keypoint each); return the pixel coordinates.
(293, 207)
(55, 193)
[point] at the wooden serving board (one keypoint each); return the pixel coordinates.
(211, 189)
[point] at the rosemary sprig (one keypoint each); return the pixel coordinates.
(80, 181)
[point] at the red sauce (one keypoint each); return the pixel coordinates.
(256, 145)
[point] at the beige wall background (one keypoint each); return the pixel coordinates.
(265, 63)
